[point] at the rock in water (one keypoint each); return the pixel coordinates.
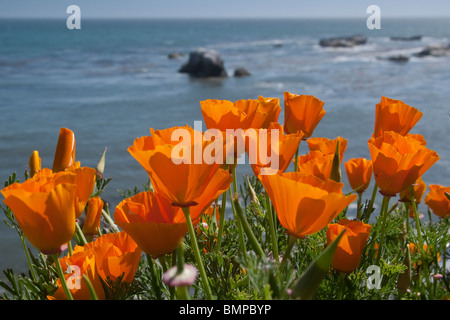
(412, 38)
(241, 72)
(204, 63)
(437, 50)
(343, 42)
(175, 55)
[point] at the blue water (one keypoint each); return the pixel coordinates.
(111, 81)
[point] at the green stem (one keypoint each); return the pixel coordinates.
(69, 245)
(60, 272)
(80, 234)
(198, 258)
(152, 268)
(371, 203)
(242, 245)
(92, 292)
(383, 215)
(110, 222)
(246, 226)
(291, 241)
(358, 209)
(221, 221)
(296, 161)
(33, 274)
(273, 234)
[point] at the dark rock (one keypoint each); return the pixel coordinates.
(412, 38)
(241, 72)
(343, 42)
(398, 58)
(436, 50)
(204, 63)
(278, 45)
(175, 55)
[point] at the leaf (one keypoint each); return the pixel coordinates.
(309, 281)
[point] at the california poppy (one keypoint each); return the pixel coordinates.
(328, 146)
(44, 207)
(394, 115)
(359, 173)
(241, 114)
(305, 204)
(398, 161)
(265, 147)
(155, 225)
(347, 256)
(117, 256)
(93, 216)
(65, 150)
(177, 175)
(438, 201)
(316, 163)
(302, 113)
(81, 263)
(35, 163)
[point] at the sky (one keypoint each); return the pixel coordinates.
(224, 8)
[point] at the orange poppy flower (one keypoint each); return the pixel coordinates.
(394, 115)
(241, 114)
(398, 161)
(317, 164)
(82, 177)
(305, 204)
(82, 262)
(155, 225)
(327, 146)
(302, 113)
(93, 216)
(359, 173)
(281, 150)
(175, 173)
(35, 163)
(437, 201)
(347, 256)
(65, 150)
(44, 208)
(116, 255)
(47, 205)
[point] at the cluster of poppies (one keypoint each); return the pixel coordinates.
(47, 205)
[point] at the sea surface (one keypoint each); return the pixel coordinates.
(112, 80)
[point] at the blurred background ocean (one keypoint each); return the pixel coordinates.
(112, 80)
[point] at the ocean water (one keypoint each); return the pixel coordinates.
(112, 80)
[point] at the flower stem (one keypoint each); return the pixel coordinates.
(383, 215)
(296, 160)
(242, 245)
(33, 274)
(246, 226)
(273, 234)
(60, 272)
(152, 268)
(92, 292)
(80, 234)
(358, 209)
(221, 221)
(371, 203)
(198, 258)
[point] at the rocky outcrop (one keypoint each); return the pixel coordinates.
(204, 63)
(343, 42)
(412, 38)
(400, 58)
(436, 50)
(241, 72)
(175, 55)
